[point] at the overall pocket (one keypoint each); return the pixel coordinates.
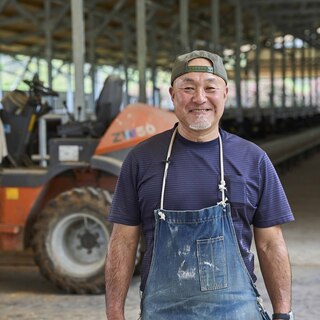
(212, 264)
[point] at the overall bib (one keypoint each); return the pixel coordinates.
(197, 271)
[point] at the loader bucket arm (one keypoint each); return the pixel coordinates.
(134, 124)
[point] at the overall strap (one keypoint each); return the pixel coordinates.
(167, 161)
(222, 185)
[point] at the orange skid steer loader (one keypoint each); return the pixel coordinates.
(60, 210)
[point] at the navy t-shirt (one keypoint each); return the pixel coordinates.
(253, 187)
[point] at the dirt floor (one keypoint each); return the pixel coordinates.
(25, 295)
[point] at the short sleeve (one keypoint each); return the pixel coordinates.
(125, 208)
(273, 207)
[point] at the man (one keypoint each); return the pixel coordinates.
(195, 191)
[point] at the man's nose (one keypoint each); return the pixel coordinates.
(200, 96)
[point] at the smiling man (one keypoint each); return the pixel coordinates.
(199, 193)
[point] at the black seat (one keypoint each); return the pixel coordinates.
(107, 107)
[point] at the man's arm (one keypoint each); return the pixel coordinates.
(275, 266)
(119, 268)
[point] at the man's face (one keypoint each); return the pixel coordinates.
(199, 99)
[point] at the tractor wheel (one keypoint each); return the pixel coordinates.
(70, 240)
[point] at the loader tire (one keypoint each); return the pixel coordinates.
(70, 240)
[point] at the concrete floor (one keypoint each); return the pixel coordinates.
(24, 294)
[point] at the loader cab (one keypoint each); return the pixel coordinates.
(107, 108)
(19, 115)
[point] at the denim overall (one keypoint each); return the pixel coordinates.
(197, 271)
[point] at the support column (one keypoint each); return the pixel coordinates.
(272, 71)
(141, 47)
(293, 70)
(92, 59)
(283, 71)
(310, 75)
(78, 49)
(215, 25)
(315, 69)
(125, 46)
(237, 66)
(153, 55)
(184, 25)
(317, 77)
(42, 125)
(303, 61)
(42, 144)
(1, 93)
(245, 92)
(257, 64)
(70, 96)
(49, 42)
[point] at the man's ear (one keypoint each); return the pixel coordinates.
(226, 91)
(171, 91)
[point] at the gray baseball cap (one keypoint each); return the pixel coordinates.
(181, 67)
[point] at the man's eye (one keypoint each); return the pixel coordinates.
(188, 89)
(210, 89)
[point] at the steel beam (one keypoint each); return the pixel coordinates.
(272, 71)
(303, 61)
(141, 47)
(23, 12)
(1, 93)
(215, 25)
(294, 76)
(78, 49)
(92, 59)
(257, 63)
(3, 3)
(239, 26)
(310, 76)
(184, 25)
(115, 10)
(49, 42)
(249, 3)
(12, 20)
(317, 77)
(153, 59)
(125, 46)
(21, 36)
(286, 12)
(58, 16)
(283, 71)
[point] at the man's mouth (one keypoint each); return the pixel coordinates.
(199, 110)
